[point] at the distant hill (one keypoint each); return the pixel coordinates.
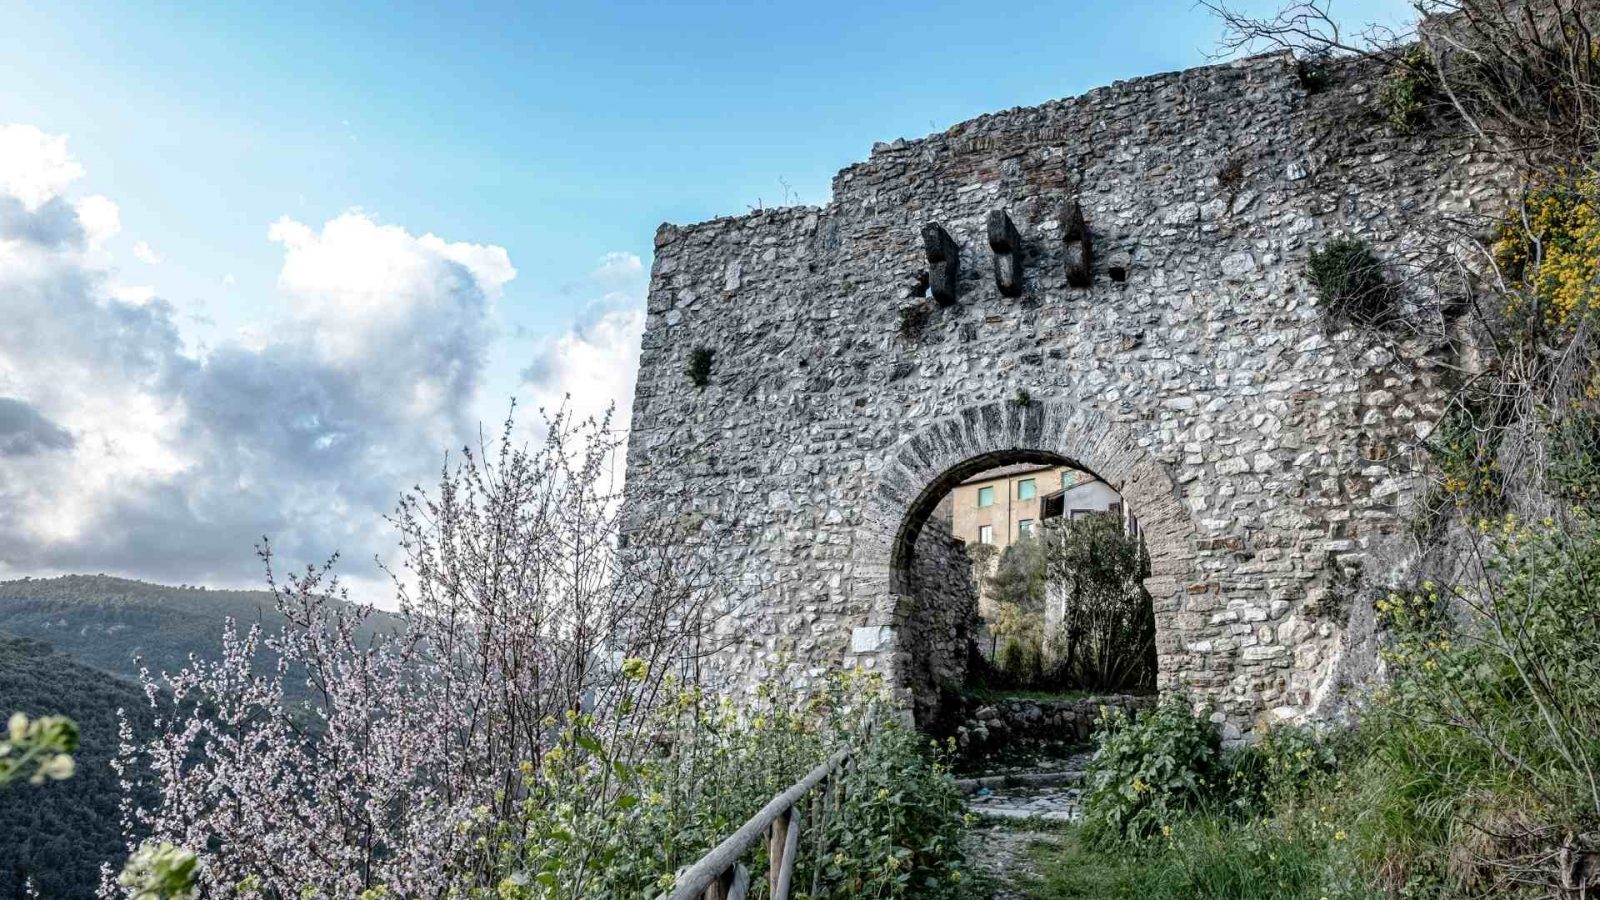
(58, 833)
(109, 623)
(59, 637)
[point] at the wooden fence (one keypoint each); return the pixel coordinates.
(719, 875)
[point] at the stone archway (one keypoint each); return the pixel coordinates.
(930, 462)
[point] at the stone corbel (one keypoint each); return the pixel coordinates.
(1076, 254)
(944, 263)
(1007, 246)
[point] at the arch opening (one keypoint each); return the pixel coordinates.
(926, 464)
(1022, 573)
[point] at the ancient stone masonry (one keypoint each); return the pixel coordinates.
(1161, 330)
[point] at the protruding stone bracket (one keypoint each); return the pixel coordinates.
(1007, 246)
(944, 263)
(1076, 253)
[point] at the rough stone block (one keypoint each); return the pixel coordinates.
(1007, 246)
(944, 263)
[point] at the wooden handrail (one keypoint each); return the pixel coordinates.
(716, 874)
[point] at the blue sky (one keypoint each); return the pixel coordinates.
(562, 133)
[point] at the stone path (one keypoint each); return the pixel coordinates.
(1048, 794)
(1002, 853)
(1007, 804)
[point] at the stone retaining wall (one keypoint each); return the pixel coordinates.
(983, 726)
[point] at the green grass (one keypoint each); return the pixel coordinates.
(1205, 858)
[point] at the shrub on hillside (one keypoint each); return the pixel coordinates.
(1487, 742)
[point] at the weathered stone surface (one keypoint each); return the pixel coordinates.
(1007, 246)
(1077, 252)
(944, 263)
(1208, 387)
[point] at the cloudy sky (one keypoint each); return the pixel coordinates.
(263, 264)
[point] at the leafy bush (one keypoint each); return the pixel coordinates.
(1018, 661)
(1149, 772)
(699, 370)
(1107, 638)
(1487, 740)
(1278, 769)
(1410, 91)
(1465, 447)
(1349, 279)
(1575, 458)
(601, 821)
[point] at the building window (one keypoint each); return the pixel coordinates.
(986, 497)
(1027, 489)
(1025, 527)
(985, 534)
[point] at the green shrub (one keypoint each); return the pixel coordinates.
(1107, 638)
(699, 370)
(1019, 662)
(1575, 458)
(1149, 772)
(1481, 770)
(1410, 91)
(1465, 447)
(914, 320)
(601, 820)
(1349, 279)
(1278, 769)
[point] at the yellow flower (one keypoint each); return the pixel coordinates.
(635, 669)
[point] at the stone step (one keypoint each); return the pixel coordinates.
(970, 786)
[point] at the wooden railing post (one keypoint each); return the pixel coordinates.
(777, 840)
(719, 875)
(791, 855)
(819, 832)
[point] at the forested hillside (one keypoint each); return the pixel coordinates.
(59, 832)
(109, 623)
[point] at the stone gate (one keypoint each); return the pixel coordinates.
(1113, 281)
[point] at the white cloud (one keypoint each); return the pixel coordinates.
(34, 167)
(594, 364)
(100, 218)
(145, 254)
(127, 452)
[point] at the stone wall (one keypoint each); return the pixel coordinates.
(983, 726)
(1259, 440)
(933, 649)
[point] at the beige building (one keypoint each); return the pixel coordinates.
(1001, 506)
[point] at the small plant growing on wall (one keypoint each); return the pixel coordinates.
(1312, 71)
(1349, 279)
(699, 370)
(914, 320)
(1409, 91)
(1021, 398)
